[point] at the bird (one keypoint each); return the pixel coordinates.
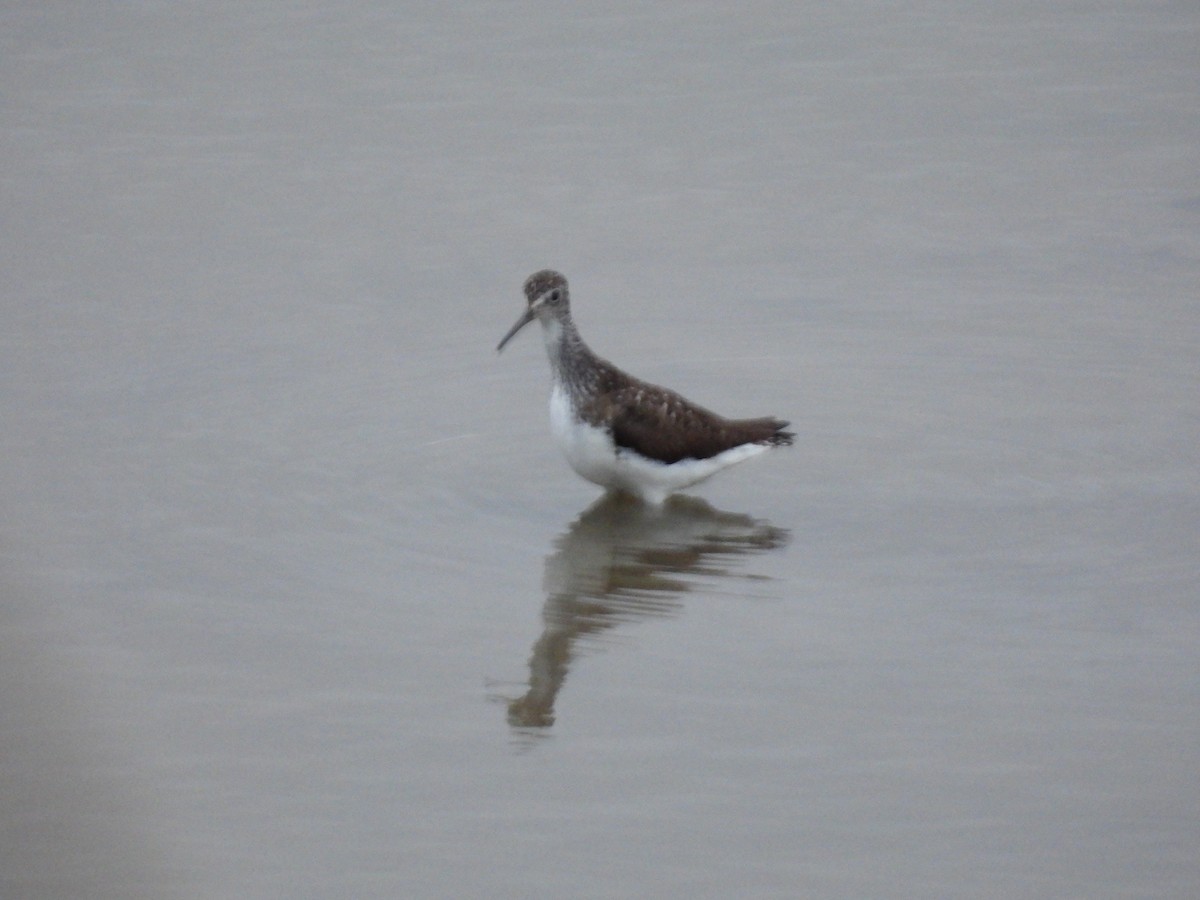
(622, 433)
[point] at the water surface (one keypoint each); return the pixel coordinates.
(301, 601)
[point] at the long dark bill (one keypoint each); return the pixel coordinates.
(526, 317)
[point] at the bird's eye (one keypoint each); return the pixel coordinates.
(554, 296)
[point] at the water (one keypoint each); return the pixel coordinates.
(301, 601)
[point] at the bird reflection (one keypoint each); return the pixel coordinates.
(623, 560)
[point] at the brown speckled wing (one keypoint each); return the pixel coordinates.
(659, 424)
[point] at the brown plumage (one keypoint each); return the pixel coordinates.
(660, 424)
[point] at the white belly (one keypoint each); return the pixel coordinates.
(592, 453)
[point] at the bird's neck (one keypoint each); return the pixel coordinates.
(571, 360)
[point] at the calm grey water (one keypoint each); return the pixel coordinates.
(300, 601)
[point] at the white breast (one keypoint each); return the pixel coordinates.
(588, 449)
